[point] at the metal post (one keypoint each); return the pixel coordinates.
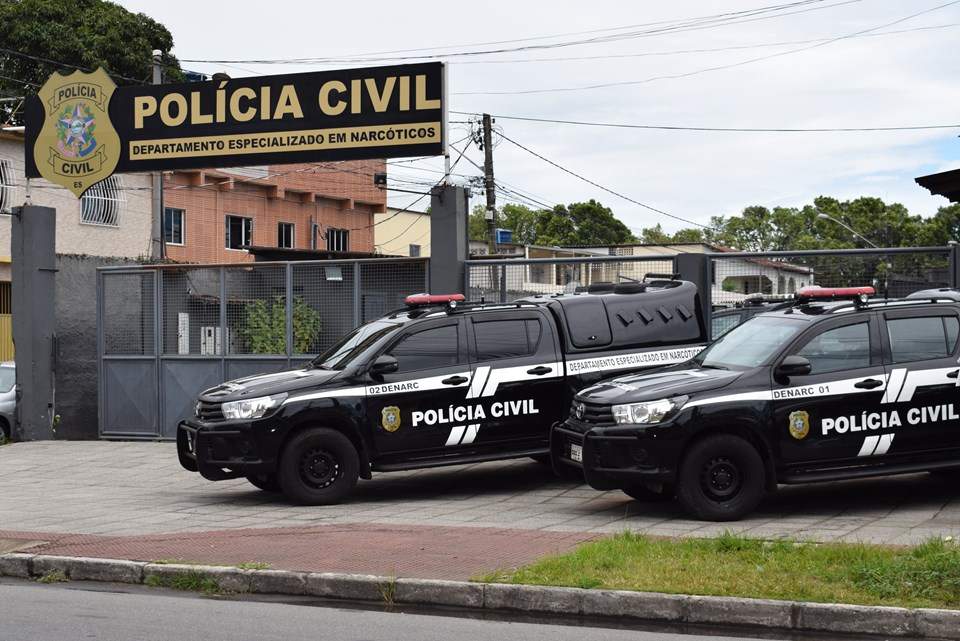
(158, 347)
(223, 325)
(696, 269)
(33, 243)
(445, 124)
(503, 283)
(157, 245)
(288, 286)
(954, 263)
(357, 307)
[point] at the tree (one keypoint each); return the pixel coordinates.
(81, 33)
(588, 223)
(788, 228)
(656, 236)
(942, 227)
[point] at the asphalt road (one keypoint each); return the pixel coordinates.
(73, 612)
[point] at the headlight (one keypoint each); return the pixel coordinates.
(647, 413)
(252, 407)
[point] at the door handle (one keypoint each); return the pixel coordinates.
(868, 383)
(540, 370)
(455, 380)
(953, 374)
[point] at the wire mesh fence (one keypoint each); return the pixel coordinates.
(128, 323)
(288, 309)
(737, 277)
(507, 280)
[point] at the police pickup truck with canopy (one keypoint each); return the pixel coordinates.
(439, 382)
(836, 386)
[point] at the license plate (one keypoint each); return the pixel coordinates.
(576, 453)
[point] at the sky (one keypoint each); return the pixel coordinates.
(842, 68)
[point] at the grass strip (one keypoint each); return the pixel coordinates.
(186, 581)
(927, 575)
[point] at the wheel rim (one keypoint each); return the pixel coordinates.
(318, 468)
(721, 479)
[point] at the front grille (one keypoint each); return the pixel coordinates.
(207, 411)
(593, 413)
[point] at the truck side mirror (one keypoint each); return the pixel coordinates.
(793, 365)
(385, 364)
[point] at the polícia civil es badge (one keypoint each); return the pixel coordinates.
(799, 424)
(390, 418)
(77, 145)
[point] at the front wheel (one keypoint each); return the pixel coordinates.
(721, 478)
(319, 466)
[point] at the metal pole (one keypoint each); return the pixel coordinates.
(289, 311)
(445, 124)
(157, 246)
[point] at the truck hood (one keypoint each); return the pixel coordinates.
(637, 388)
(267, 384)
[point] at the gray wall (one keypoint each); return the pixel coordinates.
(76, 331)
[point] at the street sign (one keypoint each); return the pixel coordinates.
(81, 128)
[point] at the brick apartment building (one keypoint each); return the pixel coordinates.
(210, 216)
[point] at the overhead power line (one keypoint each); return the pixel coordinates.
(20, 80)
(599, 186)
(687, 74)
(677, 52)
(617, 125)
(28, 56)
(659, 28)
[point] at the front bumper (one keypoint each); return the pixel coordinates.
(616, 457)
(220, 452)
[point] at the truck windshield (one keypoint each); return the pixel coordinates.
(355, 346)
(750, 344)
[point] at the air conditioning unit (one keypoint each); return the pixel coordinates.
(210, 340)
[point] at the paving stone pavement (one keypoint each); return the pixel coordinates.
(135, 488)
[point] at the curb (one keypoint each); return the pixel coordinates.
(640, 606)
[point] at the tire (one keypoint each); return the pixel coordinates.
(721, 478)
(319, 466)
(265, 482)
(4, 429)
(649, 493)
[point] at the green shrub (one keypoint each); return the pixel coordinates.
(264, 327)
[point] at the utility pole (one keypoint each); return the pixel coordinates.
(488, 184)
(157, 248)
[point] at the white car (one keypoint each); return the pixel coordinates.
(8, 397)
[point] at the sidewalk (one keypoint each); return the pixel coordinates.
(359, 548)
(132, 500)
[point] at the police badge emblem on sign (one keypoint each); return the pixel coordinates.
(799, 424)
(390, 418)
(77, 146)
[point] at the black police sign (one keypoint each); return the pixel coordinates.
(380, 112)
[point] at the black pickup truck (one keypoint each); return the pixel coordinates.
(439, 382)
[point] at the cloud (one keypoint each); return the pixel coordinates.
(904, 79)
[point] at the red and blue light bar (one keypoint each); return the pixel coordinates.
(815, 292)
(418, 300)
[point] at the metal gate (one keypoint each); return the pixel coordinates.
(167, 332)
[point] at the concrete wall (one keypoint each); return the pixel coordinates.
(395, 232)
(131, 238)
(76, 329)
